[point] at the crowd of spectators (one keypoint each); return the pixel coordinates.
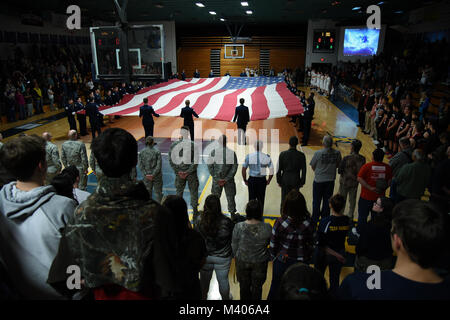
(129, 246)
(50, 76)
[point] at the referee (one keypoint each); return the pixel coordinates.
(258, 163)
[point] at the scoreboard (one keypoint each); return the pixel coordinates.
(145, 45)
(105, 42)
(324, 41)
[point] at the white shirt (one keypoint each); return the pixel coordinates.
(80, 195)
(258, 163)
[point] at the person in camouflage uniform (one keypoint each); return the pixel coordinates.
(73, 152)
(149, 161)
(222, 166)
(52, 157)
(185, 167)
(119, 236)
(95, 167)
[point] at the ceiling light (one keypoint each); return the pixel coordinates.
(380, 3)
(213, 13)
(249, 12)
(222, 19)
(356, 8)
(244, 4)
(199, 4)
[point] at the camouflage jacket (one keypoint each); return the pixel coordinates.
(222, 163)
(74, 153)
(180, 161)
(349, 168)
(95, 167)
(116, 237)
(52, 157)
(150, 161)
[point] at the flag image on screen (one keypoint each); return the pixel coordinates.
(361, 42)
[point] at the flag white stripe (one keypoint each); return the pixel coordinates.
(247, 95)
(275, 103)
(165, 99)
(194, 96)
(213, 107)
(137, 99)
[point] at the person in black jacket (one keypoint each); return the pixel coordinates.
(196, 74)
(330, 245)
(242, 116)
(70, 113)
(187, 113)
(190, 253)
(374, 243)
(291, 172)
(361, 113)
(95, 117)
(81, 117)
(147, 113)
(308, 114)
(98, 100)
(217, 230)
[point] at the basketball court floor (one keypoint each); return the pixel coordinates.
(328, 118)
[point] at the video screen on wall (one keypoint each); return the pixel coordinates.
(361, 42)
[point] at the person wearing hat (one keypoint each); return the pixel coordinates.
(149, 161)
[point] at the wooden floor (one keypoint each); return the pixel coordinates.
(328, 118)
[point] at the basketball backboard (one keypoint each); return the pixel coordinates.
(145, 57)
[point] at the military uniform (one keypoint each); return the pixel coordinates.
(115, 97)
(133, 174)
(223, 167)
(147, 113)
(99, 102)
(242, 116)
(70, 112)
(150, 164)
(53, 161)
(113, 237)
(81, 117)
(109, 100)
(74, 153)
(308, 113)
(187, 113)
(185, 165)
(95, 167)
(95, 118)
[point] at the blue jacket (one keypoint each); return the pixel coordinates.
(147, 113)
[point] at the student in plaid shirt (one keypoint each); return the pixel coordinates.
(292, 238)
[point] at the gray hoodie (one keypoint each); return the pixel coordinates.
(30, 229)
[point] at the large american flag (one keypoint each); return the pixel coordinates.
(214, 98)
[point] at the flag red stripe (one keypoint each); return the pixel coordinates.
(178, 99)
(291, 101)
(260, 109)
(154, 97)
(203, 101)
(228, 107)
